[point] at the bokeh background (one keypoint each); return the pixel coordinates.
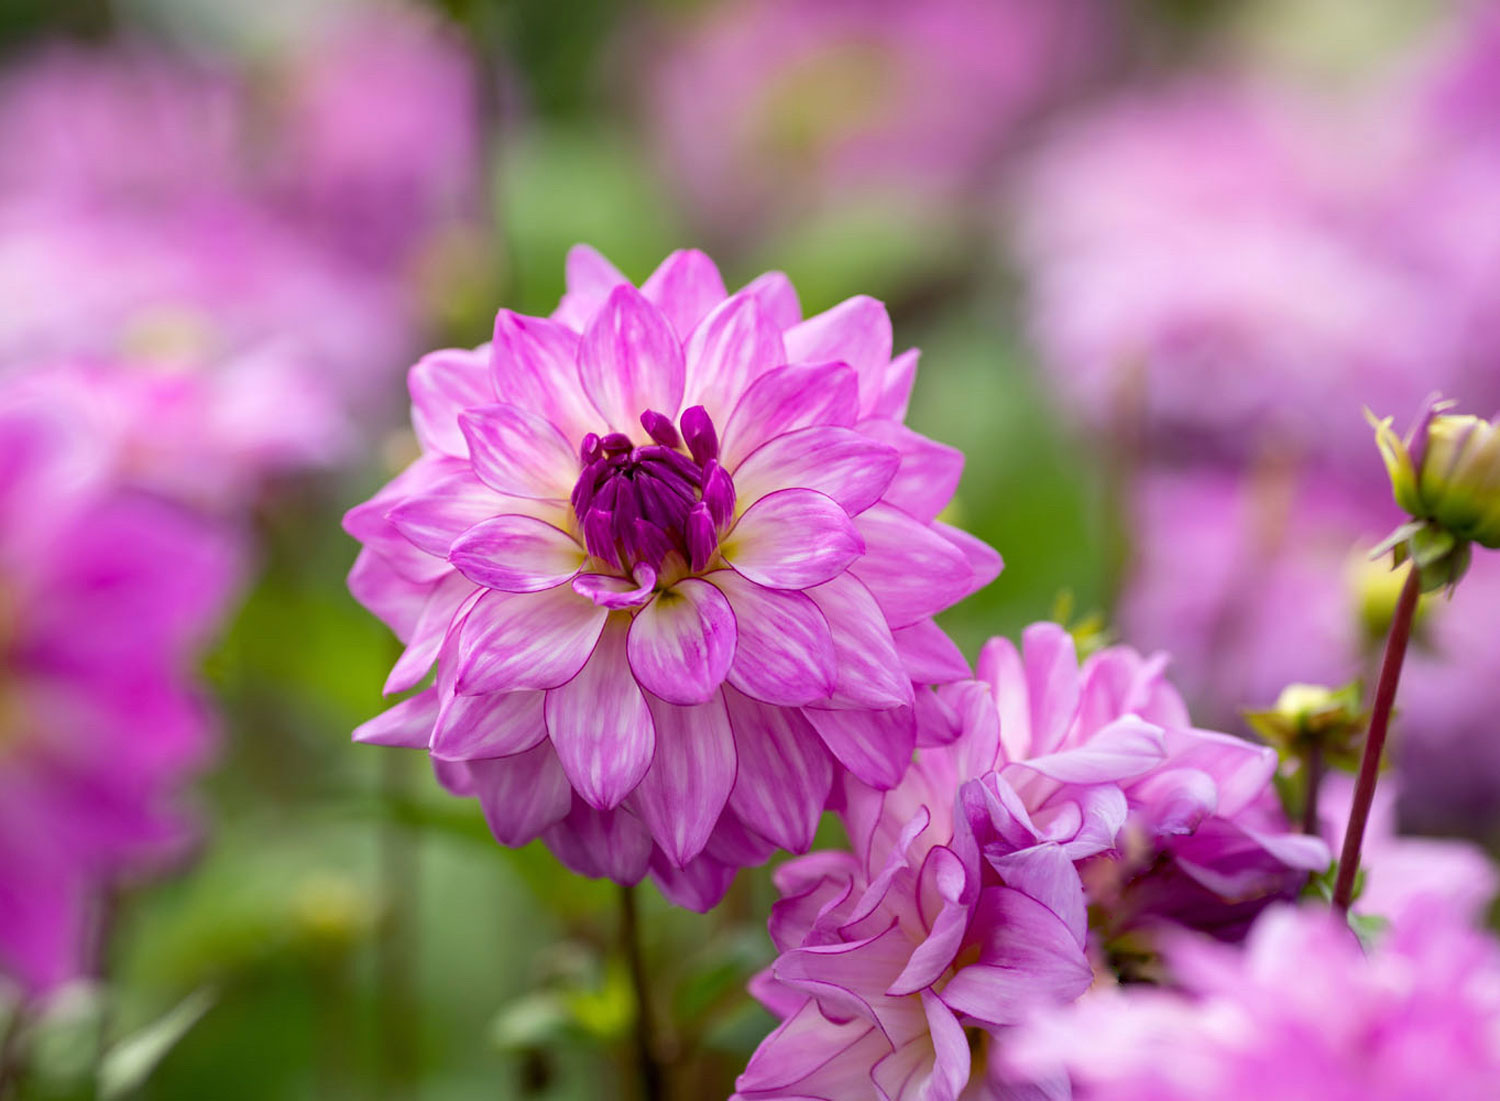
(1158, 254)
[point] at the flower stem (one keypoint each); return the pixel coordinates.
(1315, 768)
(1380, 721)
(653, 1080)
(12, 1055)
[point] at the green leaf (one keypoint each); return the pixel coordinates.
(128, 1064)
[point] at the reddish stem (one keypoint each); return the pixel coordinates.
(1380, 721)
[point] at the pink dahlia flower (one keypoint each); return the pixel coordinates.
(965, 903)
(1302, 1012)
(828, 98)
(105, 595)
(1217, 261)
(676, 558)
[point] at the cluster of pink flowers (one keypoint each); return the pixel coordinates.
(676, 559)
(105, 595)
(1221, 273)
(965, 901)
(1302, 1011)
(146, 241)
(818, 101)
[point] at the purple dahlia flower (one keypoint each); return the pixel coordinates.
(965, 903)
(104, 597)
(1300, 1012)
(676, 559)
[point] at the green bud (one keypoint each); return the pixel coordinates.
(1308, 715)
(1447, 472)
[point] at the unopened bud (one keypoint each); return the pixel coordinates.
(1308, 715)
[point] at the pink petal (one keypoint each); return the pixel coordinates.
(699, 885)
(444, 384)
(432, 627)
(685, 287)
(590, 278)
(514, 641)
(857, 332)
(600, 725)
(407, 724)
(433, 519)
(534, 364)
(630, 361)
(520, 453)
(604, 844)
(523, 794)
(474, 727)
(788, 398)
(784, 772)
(792, 539)
(934, 1063)
(1052, 684)
(1028, 958)
(984, 560)
(617, 593)
(681, 644)
(839, 462)
(685, 789)
(928, 473)
(777, 298)
(874, 745)
(895, 391)
(913, 571)
(733, 347)
(517, 554)
(928, 655)
(810, 1058)
(1127, 748)
(869, 671)
(783, 651)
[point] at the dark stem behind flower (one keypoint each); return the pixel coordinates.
(1380, 720)
(653, 1077)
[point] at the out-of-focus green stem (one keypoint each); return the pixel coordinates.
(398, 1060)
(653, 1077)
(1380, 720)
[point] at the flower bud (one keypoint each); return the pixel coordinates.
(1308, 715)
(1447, 471)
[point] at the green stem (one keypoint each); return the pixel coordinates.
(653, 1078)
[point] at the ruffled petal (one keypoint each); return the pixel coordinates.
(690, 778)
(517, 554)
(734, 346)
(523, 794)
(685, 287)
(784, 775)
(438, 614)
(515, 641)
(681, 644)
(792, 539)
(630, 361)
(785, 399)
(519, 453)
(783, 650)
(845, 465)
(600, 725)
(408, 724)
(475, 727)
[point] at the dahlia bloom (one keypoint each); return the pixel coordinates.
(965, 903)
(1217, 260)
(676, 559)
(105, 595)
(1300, 1012)
(828, 98)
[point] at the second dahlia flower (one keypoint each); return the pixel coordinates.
(1075, 805)
(676, 559)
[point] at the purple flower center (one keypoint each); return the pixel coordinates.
(639, 504)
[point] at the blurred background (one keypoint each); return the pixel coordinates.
(1158, 256)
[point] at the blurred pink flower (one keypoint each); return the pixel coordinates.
(376, 138)
(1213, 271)
(676, 558)
(824, 99)
(105, 595)
(1302, 1012)
(962, 904)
